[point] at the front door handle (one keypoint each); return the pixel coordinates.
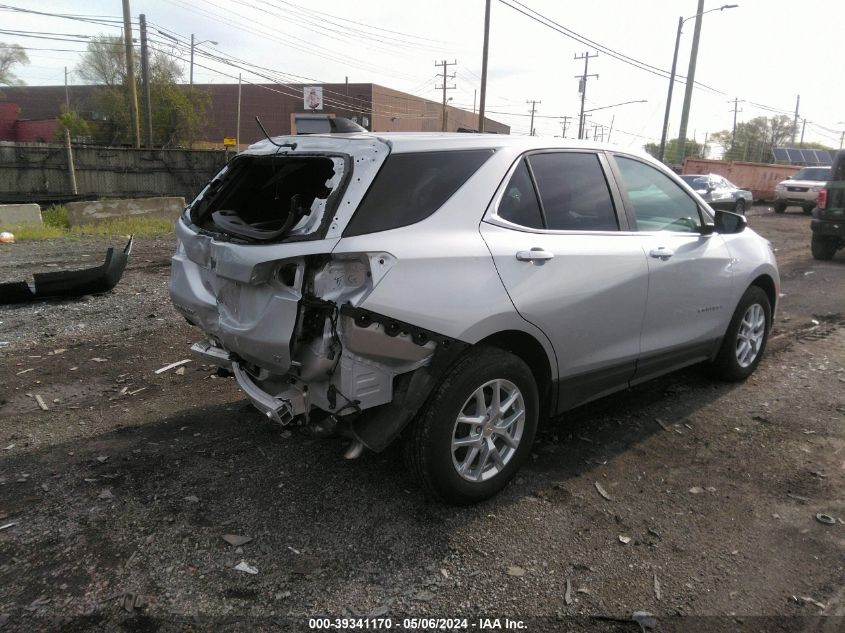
(536, 256)
(661, 252)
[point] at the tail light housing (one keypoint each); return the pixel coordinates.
(822, 202)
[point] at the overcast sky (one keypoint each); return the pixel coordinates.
(765, 52)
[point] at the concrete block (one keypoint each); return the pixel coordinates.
(16, 214)
(79, 213)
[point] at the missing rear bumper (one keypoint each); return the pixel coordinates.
(70, 283)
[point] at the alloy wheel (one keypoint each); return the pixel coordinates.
(750, 335)
(488, 430)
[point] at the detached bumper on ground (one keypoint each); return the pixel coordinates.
(70, 283)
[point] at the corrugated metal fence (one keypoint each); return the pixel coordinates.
(39, 172)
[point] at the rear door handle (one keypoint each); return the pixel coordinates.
(535, 255)
(661, 252)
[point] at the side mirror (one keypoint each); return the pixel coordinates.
(728, 223)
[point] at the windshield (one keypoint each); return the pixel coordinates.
(812, 173)
(697, 182)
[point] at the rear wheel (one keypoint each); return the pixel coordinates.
(780, 207)
(808, 209)
(740, 207)
(476, 428)
(744, 342)
(823, 248)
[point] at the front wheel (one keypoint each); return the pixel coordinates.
(780, 207)
(476, 428)
(745, 340)
(822, 248)
(740, 207)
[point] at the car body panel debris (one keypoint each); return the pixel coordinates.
(236, 540)
(246, 568)
(69, 283)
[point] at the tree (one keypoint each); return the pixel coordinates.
(691, 148)
(177, 111)
(756, 138)
(10, 55)
(78, 127)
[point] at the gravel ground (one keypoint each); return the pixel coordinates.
(128, 481)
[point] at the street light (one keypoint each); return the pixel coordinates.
(690, 81)
(192, 53)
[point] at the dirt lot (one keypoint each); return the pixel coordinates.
(128, 481)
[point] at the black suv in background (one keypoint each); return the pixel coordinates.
(828, 223)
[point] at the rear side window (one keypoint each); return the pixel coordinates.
(519, 203)
(410, 187)
(574, 192)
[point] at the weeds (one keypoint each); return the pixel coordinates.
(56, 225)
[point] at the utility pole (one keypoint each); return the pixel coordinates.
(484, 66)
(445, 74)
(582, 88)
(238, 130)
(130, 74)
(533, 109)
(67, 94)
(474, 96)
(565, 125)
(610, 131)
(733, 134)
(803, 127)
(145, 81)
(696, 36)
(704, 147)
(191, 71)
(841, 139)
(70, 168)
(665, 130)
(795, 120)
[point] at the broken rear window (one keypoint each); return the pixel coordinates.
(410, 187)
(271, 198)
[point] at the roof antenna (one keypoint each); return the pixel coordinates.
(291, 145)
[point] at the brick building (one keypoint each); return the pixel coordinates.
(14, 128)
(375, 107)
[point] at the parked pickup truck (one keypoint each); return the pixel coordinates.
(828, 223)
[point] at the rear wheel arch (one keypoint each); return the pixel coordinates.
(532, 352)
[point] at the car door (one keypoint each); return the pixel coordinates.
(690, 269)
(571, 267)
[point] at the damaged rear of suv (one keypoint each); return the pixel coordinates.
(267, 266)
(456, 288)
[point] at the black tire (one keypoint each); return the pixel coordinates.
(428, 440)
(740, 206)
(823, 248)
(780, 207)
(726, 365)
(808, 210)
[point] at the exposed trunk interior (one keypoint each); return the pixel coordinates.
(269, 198)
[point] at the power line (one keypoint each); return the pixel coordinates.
(654, 70)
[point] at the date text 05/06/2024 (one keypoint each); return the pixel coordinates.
(417, 624)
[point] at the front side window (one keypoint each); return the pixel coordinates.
(573, 192)
(659, 204)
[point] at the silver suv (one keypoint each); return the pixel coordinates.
(801, 189)
(456, 289)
